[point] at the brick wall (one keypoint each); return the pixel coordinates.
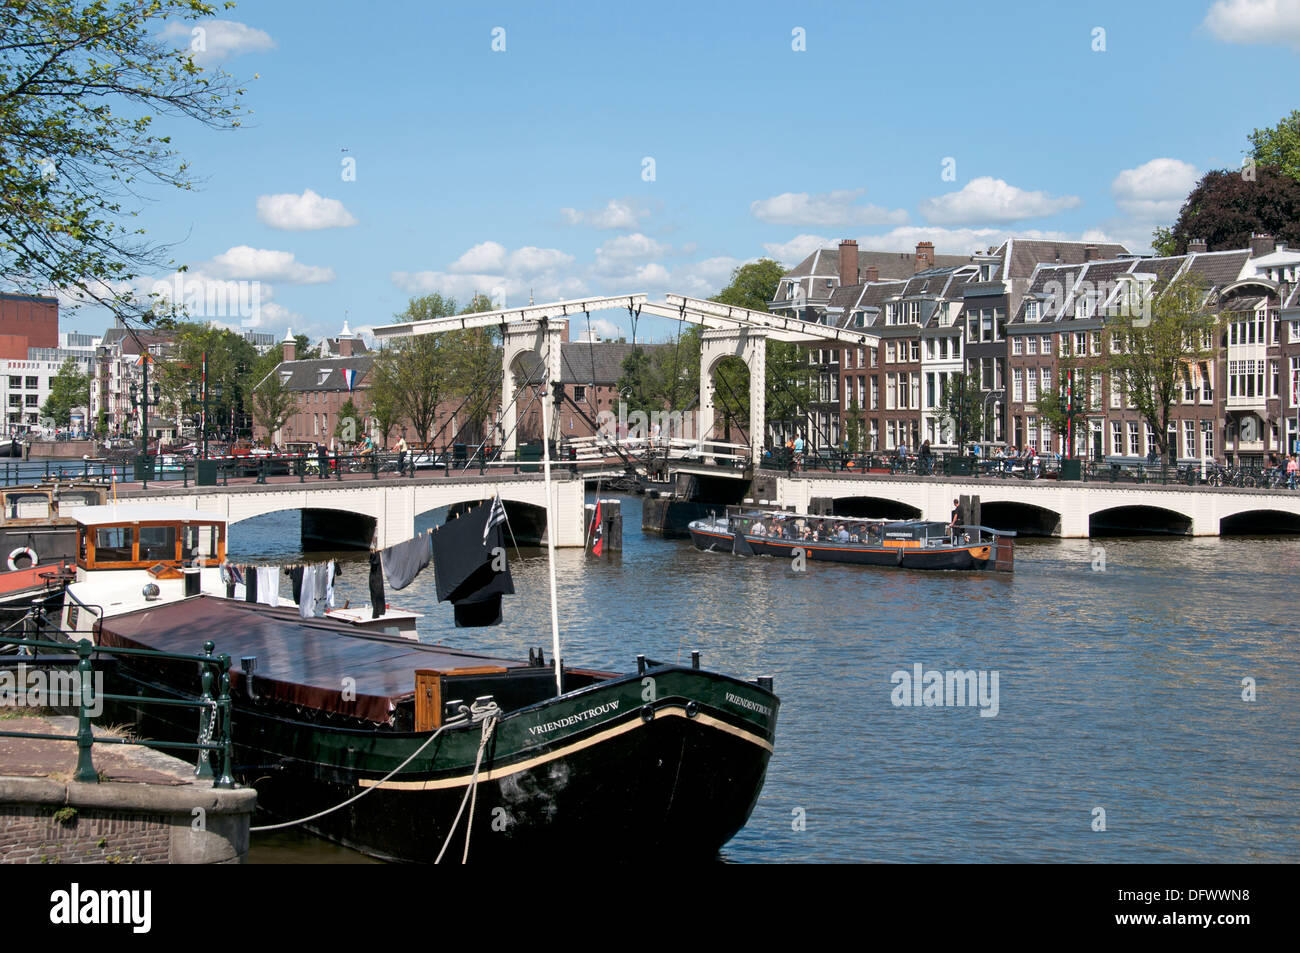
(31, 834)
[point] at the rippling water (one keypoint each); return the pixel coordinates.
(1119, 689)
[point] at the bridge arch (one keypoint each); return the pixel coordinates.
(321, 527)
(1024, 519)
(1262, 522)
(877, 507)
(1139, 520)
(526, 522)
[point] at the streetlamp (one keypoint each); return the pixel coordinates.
(995, 396)
(1206, 427)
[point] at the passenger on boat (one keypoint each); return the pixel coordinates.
(956, 519)
(843, 534)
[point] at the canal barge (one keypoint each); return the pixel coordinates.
(907, 544)
(406, 751)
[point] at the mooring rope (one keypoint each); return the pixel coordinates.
(463, 719)
(471, 793)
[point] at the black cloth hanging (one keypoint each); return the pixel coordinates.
(376, 585)
(295, 579)
(464, 553)
(250, 584)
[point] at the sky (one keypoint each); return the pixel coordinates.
(559, 150)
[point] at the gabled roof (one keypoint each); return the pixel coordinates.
(324, 373)
(1021, 255)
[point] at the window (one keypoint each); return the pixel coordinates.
(931, 395)
(1031, 346)
(33, 383)
(873, 354)
(157, 543)
(16, 382)
(890, 352)
(1207, 438)
(1189, 438)
(1018, 385)
(875, 392)
(1031, 388)
(1031, 431)
(916, 352)
(1134, 447)
(1096, 343)
(1207, 385)
(891, 387)
(114, 544)
(579, 392)
(1031, 310)
(1094, 393)
(33, 400)
(1116, 437)
(1080, 343)
(1272, 378)
(1017, 346)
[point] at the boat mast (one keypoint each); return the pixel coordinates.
(550, 530)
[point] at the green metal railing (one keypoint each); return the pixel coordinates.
(215, 736)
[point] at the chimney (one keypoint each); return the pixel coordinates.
(1196, 246)
(873, 273)
(345, 341)
(848, 262)
(1260, 244)
(924, 255)
(289, 347)
(1089, 252)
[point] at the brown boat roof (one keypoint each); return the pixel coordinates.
(300, 661)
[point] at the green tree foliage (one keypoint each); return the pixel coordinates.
(752, 285)
(1226, 208)
(350, 426)
(1150, 355)
(231, 361)
(1279, 147)
(1066, 404)
(963, 406)
(82, 86)
(69, 389)
(413, 376)
(272, 403)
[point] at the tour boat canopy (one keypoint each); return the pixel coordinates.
(148, 536)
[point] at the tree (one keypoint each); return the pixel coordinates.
(752, 285)
(348, 428)
(272, 404)
(414, 375)
(69, 388)
(81, 86)
(1066, 405)
(1226, 208)
(229, 360)
(1279, 146)
(963, 405)
(1149, 356)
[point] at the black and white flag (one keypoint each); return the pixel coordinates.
(496, 515)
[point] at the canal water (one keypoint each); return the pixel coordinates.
(1119, 705)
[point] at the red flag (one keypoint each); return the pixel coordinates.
(597, 539)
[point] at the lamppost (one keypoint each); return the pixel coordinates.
(1206, 427)
(140, 400)
(995, 396)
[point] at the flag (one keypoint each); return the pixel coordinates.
(496, 515)
(597, 538)
(349, 377)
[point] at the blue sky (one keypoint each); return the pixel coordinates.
(505, 170)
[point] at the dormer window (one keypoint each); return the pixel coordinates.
(322, 377)
(1032, 310)
(284, 376)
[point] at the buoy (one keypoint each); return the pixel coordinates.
(22, 551)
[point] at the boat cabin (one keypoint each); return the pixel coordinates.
(163, 539)
(36, 524)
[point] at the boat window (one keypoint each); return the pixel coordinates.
(28, 506)
(70, 501)
(157, 542)
(200, 542)
(113, 544)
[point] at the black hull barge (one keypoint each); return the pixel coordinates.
(668, 758)
(903, 544)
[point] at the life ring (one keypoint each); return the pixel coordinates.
(22, 551)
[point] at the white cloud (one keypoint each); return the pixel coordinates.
(824, 209)
(247, 263)
(616, 252)
(1255, 21)
(485, 256)
(987, 199)
(1155, 190)
(531, 261)
(797, 248)
(212, 41)
(617, 214)
(306, 212)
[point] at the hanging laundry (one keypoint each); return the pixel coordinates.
(250, 584)
(377, 598)
(403, 562)
(307, 593)
(295, 581)
(329, 583)
(268, 585)
(470, 562)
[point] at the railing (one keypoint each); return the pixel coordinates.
(215, 736)
(1047, 467)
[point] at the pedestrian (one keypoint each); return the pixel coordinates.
(401, 455)
(956, 519)
(322, 461)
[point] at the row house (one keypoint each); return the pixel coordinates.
(1235, 402)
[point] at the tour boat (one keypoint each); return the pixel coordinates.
(910, 544)
(379, 741)
(38, 540)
